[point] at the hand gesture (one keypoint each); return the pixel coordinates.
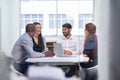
(49, 54)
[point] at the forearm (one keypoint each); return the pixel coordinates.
(31, 53)
(36, 54)
(75, 52)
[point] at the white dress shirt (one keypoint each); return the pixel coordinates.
(72, 44)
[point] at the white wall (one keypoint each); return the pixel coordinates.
(10, 24)
(103, 28)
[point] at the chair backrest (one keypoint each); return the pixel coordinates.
(14, 70)
(4, 66)
(45, 73)
(7, 64)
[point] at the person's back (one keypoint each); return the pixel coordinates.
(91, 51)
(23, 49)
(21, 53)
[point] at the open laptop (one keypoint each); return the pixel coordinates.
(58, 49)
(59, 52)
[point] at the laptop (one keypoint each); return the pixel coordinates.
(59, 52)
(58, 49)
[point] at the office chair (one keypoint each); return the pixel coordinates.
(15, 71)
(45, 73)
(4, 66)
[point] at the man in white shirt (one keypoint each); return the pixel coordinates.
(71, 45)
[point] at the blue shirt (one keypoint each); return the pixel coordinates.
(89, 46)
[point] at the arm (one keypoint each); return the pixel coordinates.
(77, 47)
(47, 52)
(27, 45)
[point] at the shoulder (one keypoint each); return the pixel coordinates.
(25, 38)
(76, 38)
(60, 38)
(92, 41)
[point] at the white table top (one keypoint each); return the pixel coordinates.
(70, 59)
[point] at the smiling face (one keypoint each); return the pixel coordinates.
(38, 29)
(66, 31)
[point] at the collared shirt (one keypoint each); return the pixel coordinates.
(72, 44)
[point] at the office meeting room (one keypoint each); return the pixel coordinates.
(59, 40)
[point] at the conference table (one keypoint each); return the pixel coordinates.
(53, 61)
(66, 60)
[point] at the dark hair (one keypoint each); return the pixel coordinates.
(91, 28)
(40, 39)
(41, 42)
(30, 27)
(67, 25)
(36, 23)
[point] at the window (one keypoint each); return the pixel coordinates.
(56, 20)
(30, 18)
(52, 14)
(85, 18)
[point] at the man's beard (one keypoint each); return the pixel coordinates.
(66, 34)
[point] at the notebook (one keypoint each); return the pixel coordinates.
(58, 49)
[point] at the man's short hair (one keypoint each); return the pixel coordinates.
(36, 23)
(67, 25)
(30, 27)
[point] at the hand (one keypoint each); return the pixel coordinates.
(84, 55)
(67, 52)
(49, 54)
